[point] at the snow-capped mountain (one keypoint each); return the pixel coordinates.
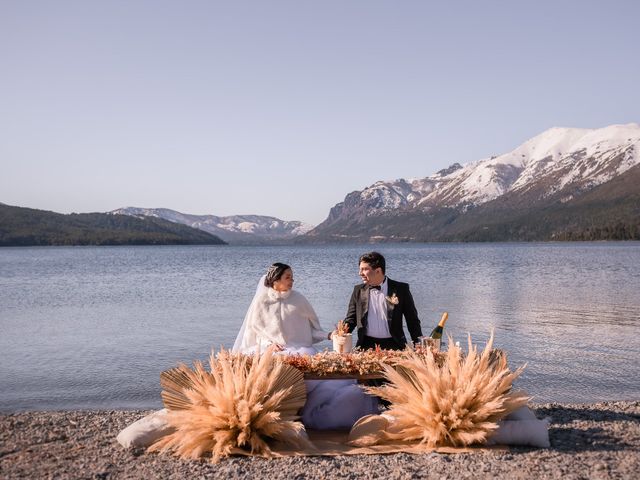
(560, 162)
(236, 229)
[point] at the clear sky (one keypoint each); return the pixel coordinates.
(283, 107)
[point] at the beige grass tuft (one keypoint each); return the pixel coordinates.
(241, 403)
(456, 404)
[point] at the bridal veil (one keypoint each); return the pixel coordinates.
(246, 339)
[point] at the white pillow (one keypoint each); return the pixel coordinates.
(522, 413)
(534, 433)
(145, 431)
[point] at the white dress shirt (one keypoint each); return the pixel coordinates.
(377, 320)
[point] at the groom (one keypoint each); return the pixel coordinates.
(378, 305)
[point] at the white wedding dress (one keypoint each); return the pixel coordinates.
(288, 319)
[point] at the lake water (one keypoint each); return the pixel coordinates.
(93, 327)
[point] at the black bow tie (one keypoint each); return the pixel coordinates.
(375, 287)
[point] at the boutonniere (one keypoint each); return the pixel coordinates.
(393, 299)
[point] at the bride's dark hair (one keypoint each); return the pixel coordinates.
(274, 273)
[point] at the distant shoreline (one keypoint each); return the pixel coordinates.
(345, 244)
(600, 440)
(29, 227)
(122, 245)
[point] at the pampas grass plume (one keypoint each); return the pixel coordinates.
(456, 404)
(241, 403)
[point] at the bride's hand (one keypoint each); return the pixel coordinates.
(274, 347)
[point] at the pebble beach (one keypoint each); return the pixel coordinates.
(588, 441)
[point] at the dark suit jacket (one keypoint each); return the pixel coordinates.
(359, 307)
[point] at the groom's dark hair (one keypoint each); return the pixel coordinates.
(375, 260)
(274, 273)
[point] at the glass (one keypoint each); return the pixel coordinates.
(342, 343)
(428, 342)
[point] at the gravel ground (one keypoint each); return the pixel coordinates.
(587, 441)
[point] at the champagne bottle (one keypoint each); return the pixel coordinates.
(436, 333)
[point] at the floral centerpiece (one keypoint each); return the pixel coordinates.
(357, 362)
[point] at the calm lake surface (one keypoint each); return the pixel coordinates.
(93, 327)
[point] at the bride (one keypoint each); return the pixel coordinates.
(279, 317)
(283, 319)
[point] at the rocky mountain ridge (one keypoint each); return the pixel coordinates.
(553, 168)
(235, 229)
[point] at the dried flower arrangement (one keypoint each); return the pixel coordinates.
(342, 329)
(456, 402)
(358, 362)
(239, 404)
